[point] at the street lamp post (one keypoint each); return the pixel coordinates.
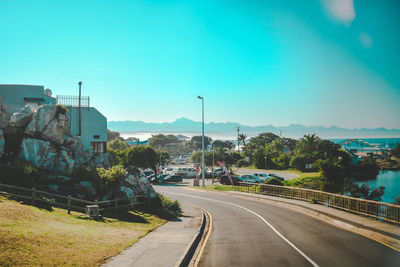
(202, 139)
(265, 162)
(213, 165)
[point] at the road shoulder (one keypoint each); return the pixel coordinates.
(164, 246)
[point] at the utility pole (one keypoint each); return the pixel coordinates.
(238, 130)
(202, 140)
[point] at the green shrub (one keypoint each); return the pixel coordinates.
(273, 181)
(242, 162)
(165, 208)
(61, 110)
(314, 201)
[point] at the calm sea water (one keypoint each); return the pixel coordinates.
(390, 180)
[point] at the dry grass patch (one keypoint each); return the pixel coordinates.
(33, 236)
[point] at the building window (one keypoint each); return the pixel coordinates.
(100, 147)
(96, 136)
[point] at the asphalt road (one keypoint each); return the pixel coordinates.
(253, 233)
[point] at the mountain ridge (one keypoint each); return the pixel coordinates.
(293, 130)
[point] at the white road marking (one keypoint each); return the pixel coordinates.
(259, 216)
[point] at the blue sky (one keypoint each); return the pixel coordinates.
(326, 62)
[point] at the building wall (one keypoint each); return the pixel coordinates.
(94, 127)
(13, 97)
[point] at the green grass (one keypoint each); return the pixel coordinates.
(35, 237)
(313, 182)
(215, 187)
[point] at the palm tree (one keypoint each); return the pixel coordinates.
(242, 137)
(308, 143)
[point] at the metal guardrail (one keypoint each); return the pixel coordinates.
(70, 203)
(379, 210)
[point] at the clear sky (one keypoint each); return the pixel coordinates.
(326, 62)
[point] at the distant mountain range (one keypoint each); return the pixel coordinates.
(183, 125)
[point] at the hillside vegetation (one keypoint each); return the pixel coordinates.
(33, 236)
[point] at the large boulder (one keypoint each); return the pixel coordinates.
(136, 184)
(50, 123)
(79, 153)
(42, 154)
(22, 118)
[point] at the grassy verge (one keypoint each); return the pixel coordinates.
(215, 187)
(313, 182)
(35, 237)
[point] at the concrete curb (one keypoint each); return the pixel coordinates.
(190, 250)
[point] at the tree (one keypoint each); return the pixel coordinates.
(307, 144)
(196, 157)
(117, 144)
(113, 135)
(363, 191)
(142, 157)
(224, 144)
(242, 137)
(396, 151)
(161, 141)
(259, 141)
(196, 142)
(164, 156)
(112, 177)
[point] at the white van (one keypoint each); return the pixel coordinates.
(187, 172)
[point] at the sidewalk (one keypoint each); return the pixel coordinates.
(163, 247)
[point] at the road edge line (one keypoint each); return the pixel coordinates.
(321, 217)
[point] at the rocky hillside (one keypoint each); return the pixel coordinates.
(42, 139)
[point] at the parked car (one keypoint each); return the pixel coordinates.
(252, 179)
(262, 176)
(206, 175)
(173, 178)
(235, 179)
(276, 176)
(218, 172)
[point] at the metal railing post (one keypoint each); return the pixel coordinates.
(69, 204)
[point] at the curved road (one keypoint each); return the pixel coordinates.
(253, 233)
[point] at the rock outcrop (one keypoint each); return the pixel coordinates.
(45, 141)
(22, 118)
(136, 184)
(44, 155)
(48, 123)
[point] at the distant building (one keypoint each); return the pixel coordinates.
(93, 129)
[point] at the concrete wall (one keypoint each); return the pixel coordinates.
(15, 96)
(94, 125)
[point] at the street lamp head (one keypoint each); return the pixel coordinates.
(200, 97)
(80, 83)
